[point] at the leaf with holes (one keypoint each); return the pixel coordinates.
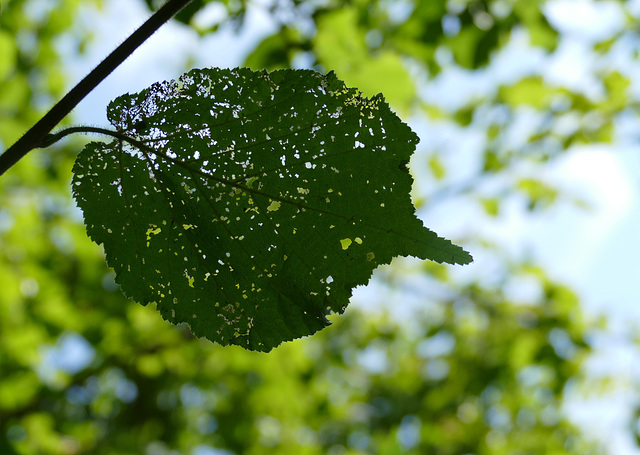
(250, 204)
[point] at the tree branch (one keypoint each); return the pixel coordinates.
(36, 136)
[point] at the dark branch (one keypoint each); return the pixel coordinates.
(38, 134)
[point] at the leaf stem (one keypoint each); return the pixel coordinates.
(51, 139)
(38, 135)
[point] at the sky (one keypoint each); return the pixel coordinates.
(594, 251)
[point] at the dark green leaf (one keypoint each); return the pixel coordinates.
(249, 204)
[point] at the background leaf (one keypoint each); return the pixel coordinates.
(251, 204)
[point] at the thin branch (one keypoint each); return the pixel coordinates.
(39, 133)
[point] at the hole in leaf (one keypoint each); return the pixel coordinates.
(274, 206)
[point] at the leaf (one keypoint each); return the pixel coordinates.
(531, 91)
(249, 204)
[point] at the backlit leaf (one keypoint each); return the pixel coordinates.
(249, 204)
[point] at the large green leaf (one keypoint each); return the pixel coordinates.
(249, 204)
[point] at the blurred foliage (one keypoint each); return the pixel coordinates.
(474, 373)
(30, 74)
(236, 10)
(481, 368)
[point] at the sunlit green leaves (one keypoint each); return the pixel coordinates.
(617, 96)
(248, 204)
(9, 52)
(340, 45)
(531, 91)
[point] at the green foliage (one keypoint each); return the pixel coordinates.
(27, 71)
(342, 47)
(248, 204)
(531, 91)
(471, 374)
(235, 8)
(538, 193)
(476, 370)
(415, 29)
